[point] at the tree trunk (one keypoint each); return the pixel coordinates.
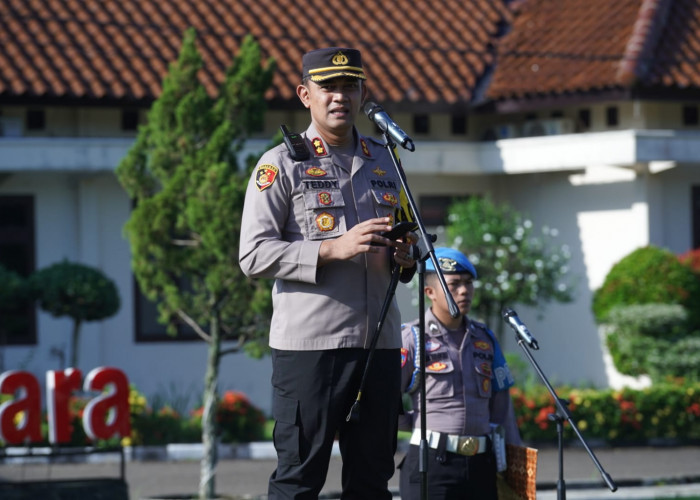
(207, 485)
(74, 347)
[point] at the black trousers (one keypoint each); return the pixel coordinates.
(457, 478)
(313, 392)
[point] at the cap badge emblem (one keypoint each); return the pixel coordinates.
(340, 59)
(449, 265)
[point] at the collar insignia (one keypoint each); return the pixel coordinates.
(319, 148)
(365, 149)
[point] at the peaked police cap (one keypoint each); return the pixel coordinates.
(332, 62)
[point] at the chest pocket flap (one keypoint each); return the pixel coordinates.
(324, 213)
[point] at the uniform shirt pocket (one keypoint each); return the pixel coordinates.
(387, 201)
(325, 217)
(439, 372)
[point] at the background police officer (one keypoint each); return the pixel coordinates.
(467, 383)
(312, 225)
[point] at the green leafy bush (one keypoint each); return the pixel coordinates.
(653, 339)
(662, 321)
(649, 275)
(679, 358)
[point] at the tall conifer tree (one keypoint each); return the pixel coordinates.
(183, 175)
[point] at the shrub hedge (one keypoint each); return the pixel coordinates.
(649, 275)
(653, 339)
(669, 410)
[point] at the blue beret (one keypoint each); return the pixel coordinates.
(451, 261)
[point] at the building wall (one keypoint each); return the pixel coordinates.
(602, 212)
(80, 218)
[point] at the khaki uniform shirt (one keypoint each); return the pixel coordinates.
(290, 208)
(459, 381)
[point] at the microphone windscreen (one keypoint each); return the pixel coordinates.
(370, 108)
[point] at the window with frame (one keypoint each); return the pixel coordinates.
(17, 254)
(148, 329)
(434, 210)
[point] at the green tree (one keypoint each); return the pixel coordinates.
(183, 175)
(649, 275)
(80, 292)
(515, 264)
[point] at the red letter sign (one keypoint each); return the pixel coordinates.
(108, 413)
(59, 386)
(20, 419)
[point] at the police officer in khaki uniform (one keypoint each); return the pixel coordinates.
(314, 226)
(467, 383)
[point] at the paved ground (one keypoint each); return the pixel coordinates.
(639, 473)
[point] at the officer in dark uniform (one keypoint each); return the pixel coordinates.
(467, 383)
(312, 223)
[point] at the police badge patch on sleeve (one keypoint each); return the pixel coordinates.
(265, 176)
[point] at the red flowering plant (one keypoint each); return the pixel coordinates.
(691, 258)
(666, 411)
(238, 420)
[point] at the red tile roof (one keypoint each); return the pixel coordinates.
(558, 47)
(428, 51)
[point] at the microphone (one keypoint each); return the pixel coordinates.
(381, 119)
(511, 317)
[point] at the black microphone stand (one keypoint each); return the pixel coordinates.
(427, 240)
(562, 414)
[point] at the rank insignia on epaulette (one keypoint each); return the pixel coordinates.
(365, 149)
(325, 222)
(324, 198)
(319, 148)
(379, 172)
(265, 176)
(486, 385)
(316, 172)
(485, 368)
